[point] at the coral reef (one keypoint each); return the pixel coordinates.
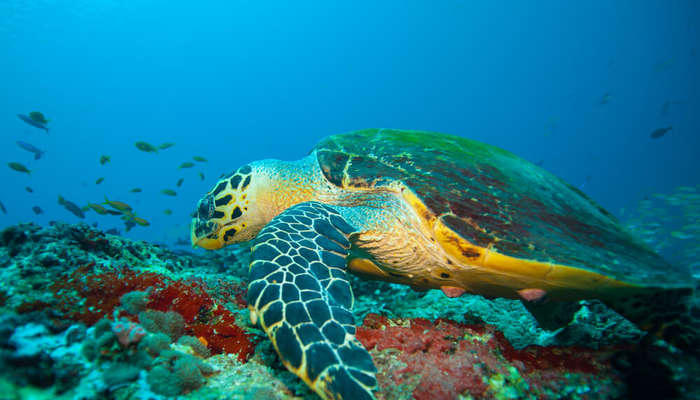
(445, 359)
(175, 373)
(594, 325)
(35, 354)
(91, 315)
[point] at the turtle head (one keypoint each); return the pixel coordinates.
(228, 213)
(244, 201)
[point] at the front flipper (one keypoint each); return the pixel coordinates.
(300, 294)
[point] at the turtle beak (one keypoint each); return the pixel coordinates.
(210, 243)
(203, 231)
(205, 234)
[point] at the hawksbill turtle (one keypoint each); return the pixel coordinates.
(429, 210)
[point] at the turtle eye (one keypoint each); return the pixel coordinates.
(205, 209)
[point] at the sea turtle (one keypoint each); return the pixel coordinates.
(429, 210)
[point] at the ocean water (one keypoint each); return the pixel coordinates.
(603, 94)
(576, 87)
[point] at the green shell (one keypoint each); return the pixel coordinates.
(492, 198)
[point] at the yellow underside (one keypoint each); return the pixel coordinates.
(495, 274)
(485, 271)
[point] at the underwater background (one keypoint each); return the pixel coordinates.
(586, 90)
(576, 87)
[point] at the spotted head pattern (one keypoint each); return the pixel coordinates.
(220, 215)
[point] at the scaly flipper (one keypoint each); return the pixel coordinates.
(300, 293)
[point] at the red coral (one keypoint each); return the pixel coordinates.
(189, 299)
(428, 350)
(88, 296)
(575, 359)
(233, 290)
(449, 358)
(31, 306)
(225, 337)
(205, 317)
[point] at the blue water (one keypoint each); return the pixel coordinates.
(236, 81)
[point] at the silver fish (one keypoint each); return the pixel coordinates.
(657, 133)
(72, 207)
(30, 148)
(33, 123)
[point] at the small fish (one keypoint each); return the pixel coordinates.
(657, 133)
(666, 107)
(99, 180)
(140, 221)
(97, 208)
(692, 227)
(71, 207)
(179, 182)
(201, 176)
(117, 205)
(19, 167)
(135, 190)
(605, 99)
(681, 235)
(28, 189)
(30, 148)
(2, 207)
(168, 211)
(28, 119)
(38, 117)
(187, 164)
(37, 210)
(114, 212)
(166, 145)
(169, 192)
(105, 159)
(147, 147)
(199, 159)
(131, 217)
